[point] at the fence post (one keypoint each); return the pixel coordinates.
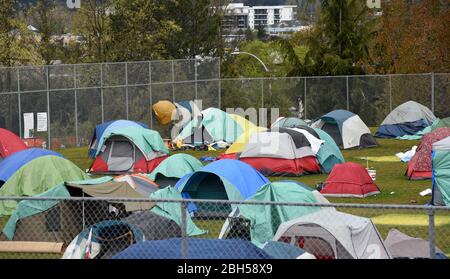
(262, 93)
(196, 78)
(220, 85)
(390, 92)
(19, 101)
(305, 106)
(348, 96)
(76, 103)
(126, 89)
(150, 91)
(173, 82)
(431, 233)
(49, 146)
(101, 92)
(432, 92)
(183, 231)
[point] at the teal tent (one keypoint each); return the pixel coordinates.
(37, 177)
(288, 122)
(214, 125)
(173, 168)
(265, 219)
(441, 172)
(329, 153)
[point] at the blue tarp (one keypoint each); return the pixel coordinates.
(106, 127)
(402, 129)
(197, 248)
(14, 162)
(243, 177)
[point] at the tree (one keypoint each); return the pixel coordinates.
(142, 29)
(412, 38)
(93, 23)
(338, 43)
(42, 16)
(199, 22)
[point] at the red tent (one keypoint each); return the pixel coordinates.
(349, 180)
(9, 143)
(419, 167)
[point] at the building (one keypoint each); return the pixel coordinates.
(238, 16)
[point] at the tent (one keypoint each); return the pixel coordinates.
(440, 123)
(174, 168)
(420, 165)
(224, 180)
(103, 240)
(441, 172)
(125, 146)
(212, 126)
(164, 111)
(37, 177)
(9, 144)
(288, 122)
(265, 219)
(404, 246)
(153, 226)
(197, 248)
(406, 119)
(284, 251)
(329, 153)
(346, 128)
(330, 234)
(59, 221)
(349, 180)
(283, 152)
(17, 160)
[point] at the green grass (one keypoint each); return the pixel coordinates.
(390, 175)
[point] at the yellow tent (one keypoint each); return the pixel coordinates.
(249, 128)
(163, 111)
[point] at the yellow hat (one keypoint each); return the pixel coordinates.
(163, 111)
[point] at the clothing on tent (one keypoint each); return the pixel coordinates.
(406, 156)
(406, 119)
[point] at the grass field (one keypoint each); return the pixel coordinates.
(394, 185)
(390, 175)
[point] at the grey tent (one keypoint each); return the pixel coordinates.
(329, 234)
(154, 226)
(404, 246)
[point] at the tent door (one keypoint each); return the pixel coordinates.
(122, 156)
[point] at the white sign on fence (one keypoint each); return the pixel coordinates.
(42, 122)
(28, 125)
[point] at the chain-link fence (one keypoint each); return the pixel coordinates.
(78, 97)
(80, 227)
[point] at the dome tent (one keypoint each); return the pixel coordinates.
(265, 219)
(441, 173)
(283, 152)
(346, 128)
(125, 146)
(9, 144)
(406, 119)
(224, 180)
(349, 180)
(17, 160)
(174, 168)
(329, 153)
(420, 165)
(330, 234)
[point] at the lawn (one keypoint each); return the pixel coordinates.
(395, 186)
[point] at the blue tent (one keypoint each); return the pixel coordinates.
(106, 127)
(222, 179)
(197, 248)
(14, 162)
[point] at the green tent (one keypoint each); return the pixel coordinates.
(289, 122)
(218, 126)
(148, 141)
(441, 172)
(37, 177)
(440, 123)
(265, 219)
(329, 153)
(175, 167)
(172, 210)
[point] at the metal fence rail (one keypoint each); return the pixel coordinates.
(118, 227)
(78, 97)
